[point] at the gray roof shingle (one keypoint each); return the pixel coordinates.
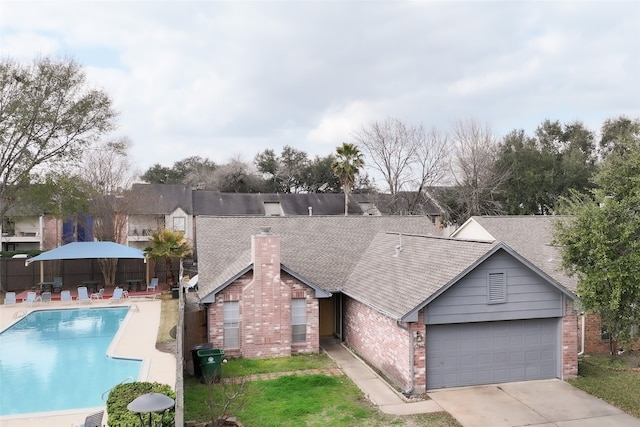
(396, 284)
(322, 249)
(532, 237)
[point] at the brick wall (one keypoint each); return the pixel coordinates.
(264, 297)
(569, 341)
(379, 340)
(593, 342)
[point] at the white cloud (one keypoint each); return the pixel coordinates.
(217, 79)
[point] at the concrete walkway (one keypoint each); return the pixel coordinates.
(376, 389)
(545, 403)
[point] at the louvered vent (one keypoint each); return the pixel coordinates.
(497, 287)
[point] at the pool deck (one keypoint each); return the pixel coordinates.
(136, 339)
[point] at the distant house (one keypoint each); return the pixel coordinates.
(25, 230)
(427, 312)
(159, 206)
(532, 236)
(178, 206)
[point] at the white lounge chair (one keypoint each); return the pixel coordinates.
(98, 295)
(65, 297)
(118, 295)
(30, 299)
(10, 298)
(45, 297)
(83, 295)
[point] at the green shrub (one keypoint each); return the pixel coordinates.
(123, 394)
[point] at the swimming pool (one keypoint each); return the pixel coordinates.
(54, 360)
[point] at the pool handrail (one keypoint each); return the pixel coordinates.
(121, 382)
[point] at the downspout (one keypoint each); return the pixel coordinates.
(583, 328)
(411, 359)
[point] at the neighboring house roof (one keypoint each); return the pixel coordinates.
(402, 203)
(322, 249)
(530, 235)
(161, 199)
(233, 204)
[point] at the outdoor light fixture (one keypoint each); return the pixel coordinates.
(418, 336)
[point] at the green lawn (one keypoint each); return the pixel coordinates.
(295, 400)
(608, 380)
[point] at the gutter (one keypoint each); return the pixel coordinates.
(411, 360)
(583, 328)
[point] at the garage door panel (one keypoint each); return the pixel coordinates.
(491, 352)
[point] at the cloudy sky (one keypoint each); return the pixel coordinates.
(221, 79)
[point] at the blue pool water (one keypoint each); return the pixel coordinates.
(53, 360)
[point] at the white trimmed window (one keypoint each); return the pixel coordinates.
(298, 320)
(179, 223)
(231, 324)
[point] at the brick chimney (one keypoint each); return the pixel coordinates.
(265, 254)
(267, 301)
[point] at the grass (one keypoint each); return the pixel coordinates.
(610, 381)
(299, 400)
(168, 320)
(242, 367)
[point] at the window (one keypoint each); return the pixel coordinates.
(298, 320)
(179, 223)
(232, 324)
(497, 288)
(272, 209)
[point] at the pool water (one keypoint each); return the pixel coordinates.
(53, 360)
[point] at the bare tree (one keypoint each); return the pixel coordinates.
(391, 147)
(410, 159)
(477, 184)
(108, 176)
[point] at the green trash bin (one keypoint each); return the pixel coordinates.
(211, 364)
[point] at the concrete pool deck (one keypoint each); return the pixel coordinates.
(136, 339)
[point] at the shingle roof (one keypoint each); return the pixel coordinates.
(159, 199)
(216, 203)
(396, 284)
(322, 249)
(532, 237)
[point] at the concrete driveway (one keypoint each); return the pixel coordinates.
(532, 403)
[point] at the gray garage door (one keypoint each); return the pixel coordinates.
(491, 352)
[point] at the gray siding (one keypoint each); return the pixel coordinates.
(528, 295)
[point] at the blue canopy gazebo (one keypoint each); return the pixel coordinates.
(87, 250)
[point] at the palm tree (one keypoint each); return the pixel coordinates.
(167, 245)
(349, 161)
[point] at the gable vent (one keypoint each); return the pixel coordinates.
(497, 291)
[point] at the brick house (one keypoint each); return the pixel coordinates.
(427, 312)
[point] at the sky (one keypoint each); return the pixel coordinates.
(230, 79)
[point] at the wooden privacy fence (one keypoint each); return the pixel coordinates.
(15, 276)
(195, 333)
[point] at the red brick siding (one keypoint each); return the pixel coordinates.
(265, 321)
(265, 307)
(569, 342)
(379, 340)
(593, 342)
